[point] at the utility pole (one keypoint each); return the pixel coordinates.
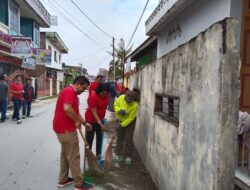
(113, 45)
(123, 60)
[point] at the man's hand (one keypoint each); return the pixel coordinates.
(122, 112)
(78, 125)
(88, 126)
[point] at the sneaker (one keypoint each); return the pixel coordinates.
(84, 186)
(66, 182)
(30, 116)
(128, 161)
(23, 117)
(117, 158)
(19, 121)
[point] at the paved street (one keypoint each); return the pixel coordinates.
(30, 155)
(30, 151)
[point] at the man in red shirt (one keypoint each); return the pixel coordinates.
(16, 89)
(95, 84)
(66, 120)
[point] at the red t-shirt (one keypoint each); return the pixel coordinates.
(93, 87)
(62, 122)
(98, 102)
(19, 88)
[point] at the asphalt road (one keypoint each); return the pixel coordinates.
(29, 152)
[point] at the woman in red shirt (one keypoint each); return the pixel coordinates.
(95, 113)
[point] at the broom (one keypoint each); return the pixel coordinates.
(94, 168)
(109, 154)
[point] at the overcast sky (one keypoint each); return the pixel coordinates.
(117, 18)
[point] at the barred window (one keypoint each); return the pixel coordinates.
(167, 107)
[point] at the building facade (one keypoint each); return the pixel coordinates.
(54, 69)
(20, 23)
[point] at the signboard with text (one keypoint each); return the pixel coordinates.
(21, 46)
(29, 62)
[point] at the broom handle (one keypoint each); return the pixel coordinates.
(83, 138)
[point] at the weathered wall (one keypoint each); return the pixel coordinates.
(198, 16)
(203, 73)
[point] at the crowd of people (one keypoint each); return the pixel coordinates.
(67, 120)
(22, 96)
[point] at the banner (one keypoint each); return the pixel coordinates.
(21, 46)
(29, 62)
(43, 56)
(60, 76)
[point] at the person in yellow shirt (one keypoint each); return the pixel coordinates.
(126, 108)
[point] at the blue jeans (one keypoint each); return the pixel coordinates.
(3, 109)
(26, 108)
(17, 106)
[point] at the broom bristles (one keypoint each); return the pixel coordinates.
(109, 154)
(94, 168)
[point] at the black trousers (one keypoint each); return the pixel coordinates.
(96, 129)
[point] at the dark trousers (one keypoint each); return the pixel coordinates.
(111, 103)
(125, 136)
(3, 109)
(17, 106)
(90, 137)
(26, 108)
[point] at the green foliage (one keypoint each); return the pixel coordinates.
(120, 53)
(70, 75)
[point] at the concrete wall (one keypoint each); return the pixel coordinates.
(197, 16)
(200, 153)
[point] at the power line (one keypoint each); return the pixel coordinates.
(58, 4)
(137, 24)
(82, 57)
(91, 20)
(99, 64)
(67, 19)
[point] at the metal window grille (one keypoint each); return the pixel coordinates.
(167, 107)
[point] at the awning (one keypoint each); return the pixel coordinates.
(10, 59)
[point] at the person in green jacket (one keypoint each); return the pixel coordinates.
(126, 108)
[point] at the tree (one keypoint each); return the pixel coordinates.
(120, 53)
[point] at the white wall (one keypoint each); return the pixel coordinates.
(54, 64)
(197, 17)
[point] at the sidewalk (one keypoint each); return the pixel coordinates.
(37, 102)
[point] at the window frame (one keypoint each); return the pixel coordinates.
(14, 19)
(36, 34)
(55, 56)
(167, 113)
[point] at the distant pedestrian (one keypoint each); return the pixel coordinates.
(3, 96)
(28, 95)
(95, 114)
(126, 108)
(66, 121)
(112, 95)
(17, 91)
(95, 84)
